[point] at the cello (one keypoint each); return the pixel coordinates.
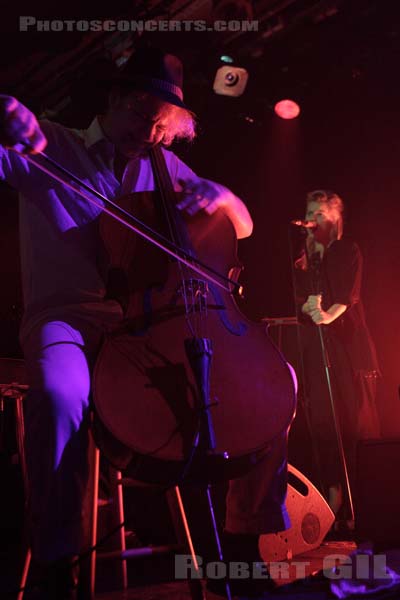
(186, 387)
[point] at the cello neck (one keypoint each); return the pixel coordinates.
(163, 182)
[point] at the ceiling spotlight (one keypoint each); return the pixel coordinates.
(226, 59)
(230, 81)
(287, 109)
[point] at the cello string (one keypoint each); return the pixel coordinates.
(179, 235)
(167, 195)
(164, 184)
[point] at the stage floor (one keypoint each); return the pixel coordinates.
(311, 562)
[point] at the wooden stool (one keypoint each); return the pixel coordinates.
(121, 553)
(15, 393)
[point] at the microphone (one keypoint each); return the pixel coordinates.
(304, 224)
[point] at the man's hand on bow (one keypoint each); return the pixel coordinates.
(19, 128)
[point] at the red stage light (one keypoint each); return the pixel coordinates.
(287, 109)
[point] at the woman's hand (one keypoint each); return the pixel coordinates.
(321, 317)
(313, 302)
(312, 307)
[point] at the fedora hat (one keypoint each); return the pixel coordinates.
(153, 70)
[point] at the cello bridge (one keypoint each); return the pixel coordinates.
(194, 292)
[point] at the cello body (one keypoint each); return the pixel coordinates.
(146, 393)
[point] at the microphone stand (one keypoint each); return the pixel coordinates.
(316, 284)
(303, 396)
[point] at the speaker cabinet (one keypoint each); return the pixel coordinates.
(377, 510)
(311, 519)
